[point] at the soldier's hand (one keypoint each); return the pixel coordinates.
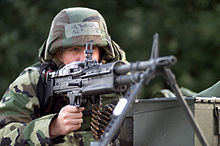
(69, 119)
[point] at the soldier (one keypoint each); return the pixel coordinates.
(27, 118)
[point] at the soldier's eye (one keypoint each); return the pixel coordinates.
(75, 49)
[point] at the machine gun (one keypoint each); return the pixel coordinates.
(87, 80)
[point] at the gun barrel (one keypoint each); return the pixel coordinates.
(143, 65)
(126, 79)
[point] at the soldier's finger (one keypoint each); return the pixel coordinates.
(68, 122)
(75, 115)
(74, 109)
(76, 121)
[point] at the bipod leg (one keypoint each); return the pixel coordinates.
(171, 80)
(122, 107)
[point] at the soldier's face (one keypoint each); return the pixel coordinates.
(76, 54)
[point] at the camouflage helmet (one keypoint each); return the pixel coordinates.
(75, 27)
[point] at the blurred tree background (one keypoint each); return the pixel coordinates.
(188, 29)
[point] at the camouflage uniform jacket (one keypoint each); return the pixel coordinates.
(20, 122)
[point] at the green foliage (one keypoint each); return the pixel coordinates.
(187, 29)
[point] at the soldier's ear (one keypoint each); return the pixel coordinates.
(101, 53)
(59, 55)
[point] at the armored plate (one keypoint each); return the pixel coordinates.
(163, 122)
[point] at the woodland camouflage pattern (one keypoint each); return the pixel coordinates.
(20, 121)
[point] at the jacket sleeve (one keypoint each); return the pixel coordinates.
(19, 120)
